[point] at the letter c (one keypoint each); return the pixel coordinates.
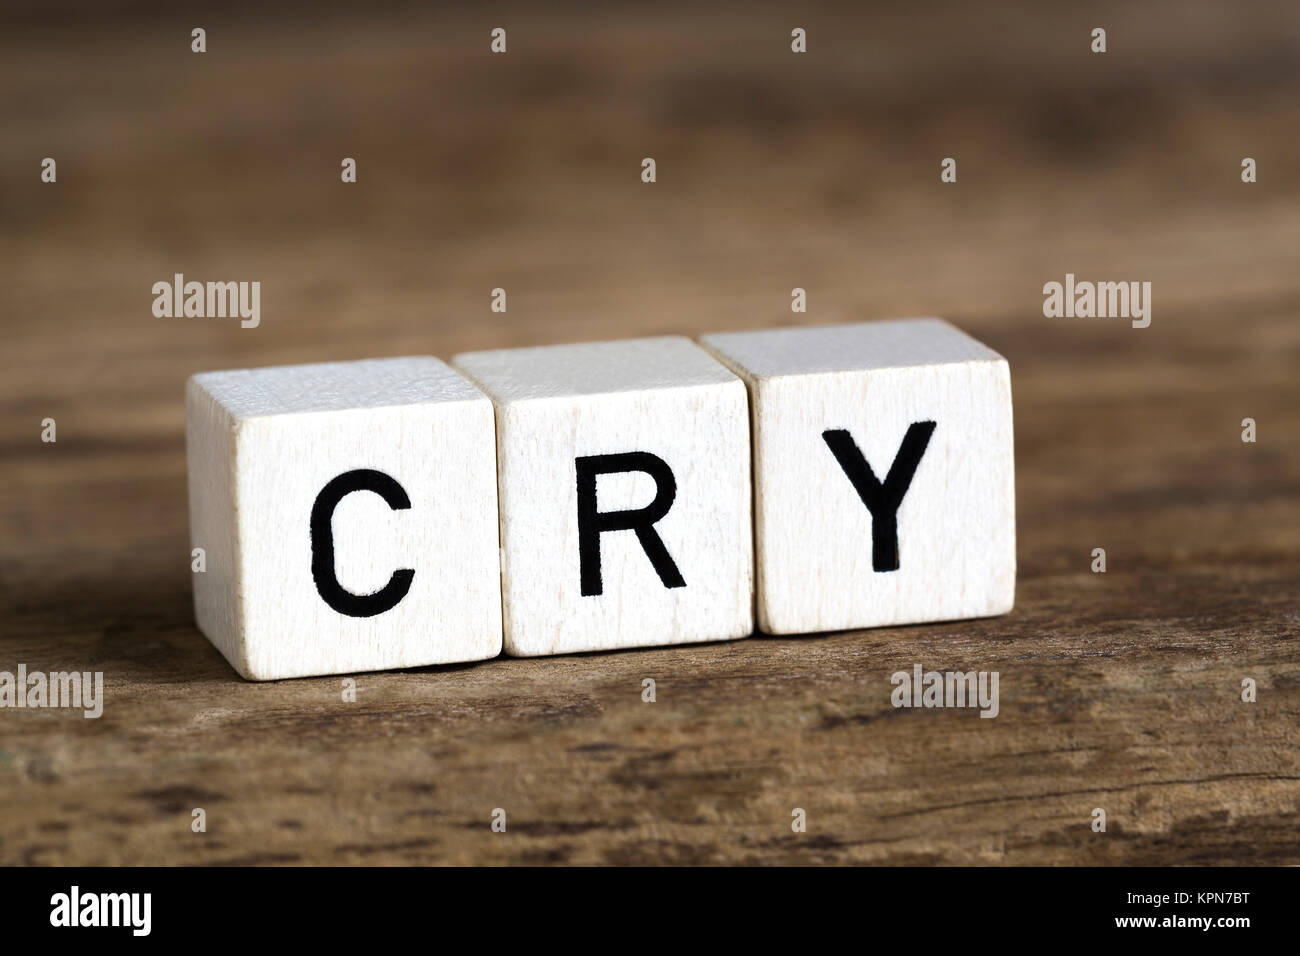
(322, 544)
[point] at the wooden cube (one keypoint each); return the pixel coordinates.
(348, 514)
(884, 479)
(624, 477)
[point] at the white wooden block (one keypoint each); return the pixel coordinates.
(865, 400)
(348, 512)
(624, 476)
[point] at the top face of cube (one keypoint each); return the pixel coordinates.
(335, 386)
(859, 346)
(595, 368)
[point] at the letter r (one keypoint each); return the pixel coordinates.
(592, 523)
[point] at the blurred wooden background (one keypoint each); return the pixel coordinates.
(775, 170)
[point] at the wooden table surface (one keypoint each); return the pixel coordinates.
(1119, 690)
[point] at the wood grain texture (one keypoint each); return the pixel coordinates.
(1119, 690)
(884, 479)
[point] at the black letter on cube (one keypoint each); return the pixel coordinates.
(882, 500)
(322, 544)
(591, 523)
